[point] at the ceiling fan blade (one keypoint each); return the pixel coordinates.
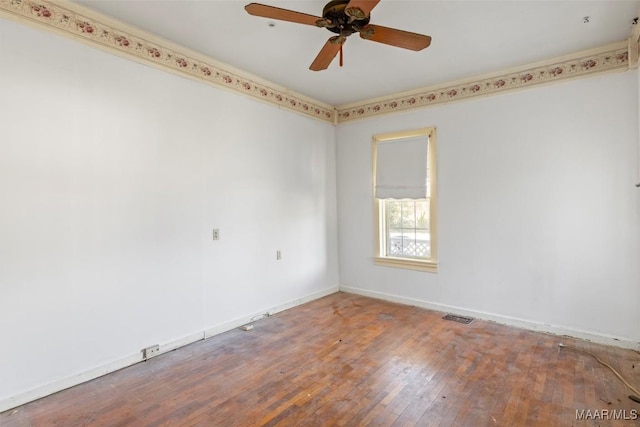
(265, 11)
(327, 53)
(393, 37)
(364, 5)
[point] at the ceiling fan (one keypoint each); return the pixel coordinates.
(343, 17)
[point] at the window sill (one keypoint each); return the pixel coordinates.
(409, 264)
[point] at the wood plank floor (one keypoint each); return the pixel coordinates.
(347, 360)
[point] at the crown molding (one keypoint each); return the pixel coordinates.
(97, 30)
(634, 46)
(634, 52)
(607, 58)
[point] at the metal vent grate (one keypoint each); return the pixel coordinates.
(459, 319)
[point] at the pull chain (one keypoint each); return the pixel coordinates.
(341, 55)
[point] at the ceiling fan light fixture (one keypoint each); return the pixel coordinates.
(355, 12)
(324, 23)
(366, 32)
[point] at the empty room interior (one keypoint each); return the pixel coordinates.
(224, 213)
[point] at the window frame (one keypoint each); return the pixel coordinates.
(380, 258)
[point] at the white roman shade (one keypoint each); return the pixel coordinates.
(401, 168)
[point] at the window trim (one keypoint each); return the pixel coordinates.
(379, 258)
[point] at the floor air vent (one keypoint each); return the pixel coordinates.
(459, 319)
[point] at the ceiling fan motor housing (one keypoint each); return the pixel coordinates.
(341, 21)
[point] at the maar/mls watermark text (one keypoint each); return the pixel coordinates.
(606, 414)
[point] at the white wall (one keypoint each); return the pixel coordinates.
(112, 177)
(539, 220)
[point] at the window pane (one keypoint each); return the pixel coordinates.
(422, 214)
(408, 242)
(408, 214)
(394, 243)
(407, 228)
(423, 245)
(392, 213)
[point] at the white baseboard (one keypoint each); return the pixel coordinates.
(227, 326)
(68, 382)
(505, 320)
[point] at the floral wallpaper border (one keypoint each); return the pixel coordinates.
(62, 16)
(66, 19)
(616, 58)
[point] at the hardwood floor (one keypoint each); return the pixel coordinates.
(347, 360)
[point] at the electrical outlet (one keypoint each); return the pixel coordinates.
(149, 352)
(278, 254)
(216, 234)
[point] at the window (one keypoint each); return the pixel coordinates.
(405, 199)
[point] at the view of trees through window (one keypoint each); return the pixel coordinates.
(407, 228)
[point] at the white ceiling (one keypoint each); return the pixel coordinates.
(469, 38)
